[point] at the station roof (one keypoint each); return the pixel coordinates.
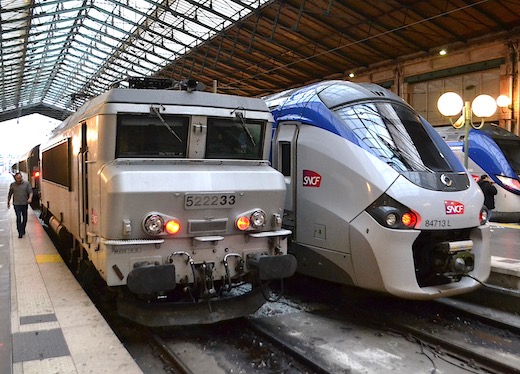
(55, 54)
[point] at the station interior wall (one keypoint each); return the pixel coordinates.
(489, 67)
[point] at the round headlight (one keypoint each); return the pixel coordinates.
(153, 224)
(242, 223)
(391, 219)
(173, 226)
(258, 219)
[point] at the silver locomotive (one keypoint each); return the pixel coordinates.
(167, 192)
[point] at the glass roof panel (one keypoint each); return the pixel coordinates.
(64, 51)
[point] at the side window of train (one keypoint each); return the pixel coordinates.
(150, 136)
(285, 158)
(228, 139)
(22, 166)
(56, 164)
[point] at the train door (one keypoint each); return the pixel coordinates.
(284, 160)
(84, 218)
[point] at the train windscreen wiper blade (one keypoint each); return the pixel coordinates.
(240, 116)
(156, 111)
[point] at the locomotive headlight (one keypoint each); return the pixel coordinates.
(258, 219)
(173, 226)
(153, 224)
(252, 220)
(242, 223)
(391, 219)
(390, 213)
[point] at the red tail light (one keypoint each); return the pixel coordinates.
(409, 219)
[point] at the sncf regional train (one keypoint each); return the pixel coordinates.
(496, 152)
(169, 194)
(376, 198)
(29, 166)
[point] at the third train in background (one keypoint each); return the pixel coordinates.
(496, 152)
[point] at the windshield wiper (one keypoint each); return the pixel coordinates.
(240, 116)
(156, 111)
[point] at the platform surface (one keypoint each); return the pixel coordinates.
(47, 322)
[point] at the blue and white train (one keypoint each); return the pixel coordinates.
(376, 199)
(496, 152)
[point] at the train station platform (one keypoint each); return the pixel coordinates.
(505, 259)
(47, 322)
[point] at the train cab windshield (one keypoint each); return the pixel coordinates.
(166, 136)
(508, 142)
(229, 139)
(152, 136)
(395, 134)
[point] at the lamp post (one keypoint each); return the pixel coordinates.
(450, 104)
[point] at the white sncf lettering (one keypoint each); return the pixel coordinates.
(453, 207)
(311, 179)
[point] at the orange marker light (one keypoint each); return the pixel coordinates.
(173, 226)
(409, 219)
(243, 223)
(36, 174)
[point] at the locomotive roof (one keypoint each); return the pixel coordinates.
(163, 97)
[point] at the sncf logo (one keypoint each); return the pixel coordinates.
(453, 207)
(311, 179)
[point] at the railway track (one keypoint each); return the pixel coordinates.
(231, 347)
(480, 338)
(353, 338)
(481, 343)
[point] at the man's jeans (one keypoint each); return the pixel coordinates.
(21, 218)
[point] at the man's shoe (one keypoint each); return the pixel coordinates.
(20, 235)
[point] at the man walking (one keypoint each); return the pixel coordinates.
(22, 193)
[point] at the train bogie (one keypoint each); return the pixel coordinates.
(170, 195)
(376, 198)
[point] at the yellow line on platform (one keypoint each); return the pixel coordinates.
(42, 259)
(510, 225)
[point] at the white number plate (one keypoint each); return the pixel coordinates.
(209, 201)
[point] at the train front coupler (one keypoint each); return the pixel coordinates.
(454, 259)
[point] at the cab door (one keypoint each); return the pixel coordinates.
(284, 160)
(84, 216)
